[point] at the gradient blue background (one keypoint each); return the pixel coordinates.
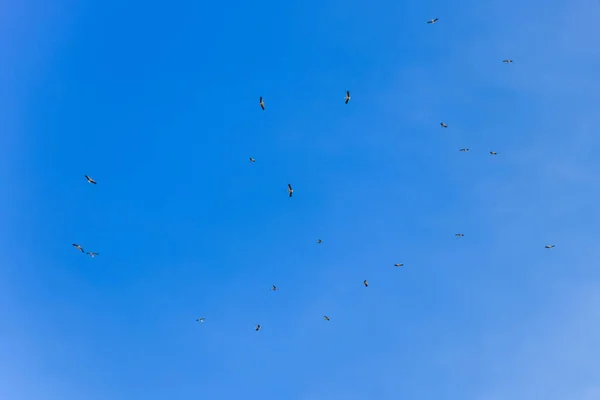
(158, 101)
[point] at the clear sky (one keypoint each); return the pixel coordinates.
(158, 102)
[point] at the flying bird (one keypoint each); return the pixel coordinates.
(257, 328)
(90, 180)
(319, 241)
(398, 265)
(347, 96)
(273, 288)
(366, 283)
(432, 21)
(92, 254)
(464, 150)
(443, 125)
(290, 190)
(200, 319)
(507, 61)
(252, 159)
(78, 247)
(262, 103)
(549, 246)
(459, 234)
(493, 153)
(326, 318)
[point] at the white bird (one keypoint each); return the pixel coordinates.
(290, 190)
(200, 319)
(78, 247)
(432, 21)
(262, 103)
(347, 96)
(398, 265)
(91, 254)
(90, 180)
(443, 125)
(549, 246)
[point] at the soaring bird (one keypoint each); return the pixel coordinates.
(273, 288)
(464, 150)
(90, 180)
(493, 153)
(507, 61)
(262, 103)
(459, 234)
(549, 246)
(200, 319)
(347, 96)
(252, 159)
(92, 254)
(366, 283)
(443, 125)
(290, 190)
(326, 318)
(257, 328)
(78, 247)
(398, 265)
(319, 241)
(432, 21)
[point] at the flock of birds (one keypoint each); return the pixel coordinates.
(290, 192)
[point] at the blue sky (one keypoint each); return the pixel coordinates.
(159, 103)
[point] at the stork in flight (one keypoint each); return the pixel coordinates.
(326, 318)
(443, 125)
(507, 61)
(549, 246)
(92, 254)
(347, 96)
(262, 103)
(290, 190)
(78, 247)
(433, 21)
(257, 328)
(398, 265)
(493, 153)
(366, 283)
(90, 180)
